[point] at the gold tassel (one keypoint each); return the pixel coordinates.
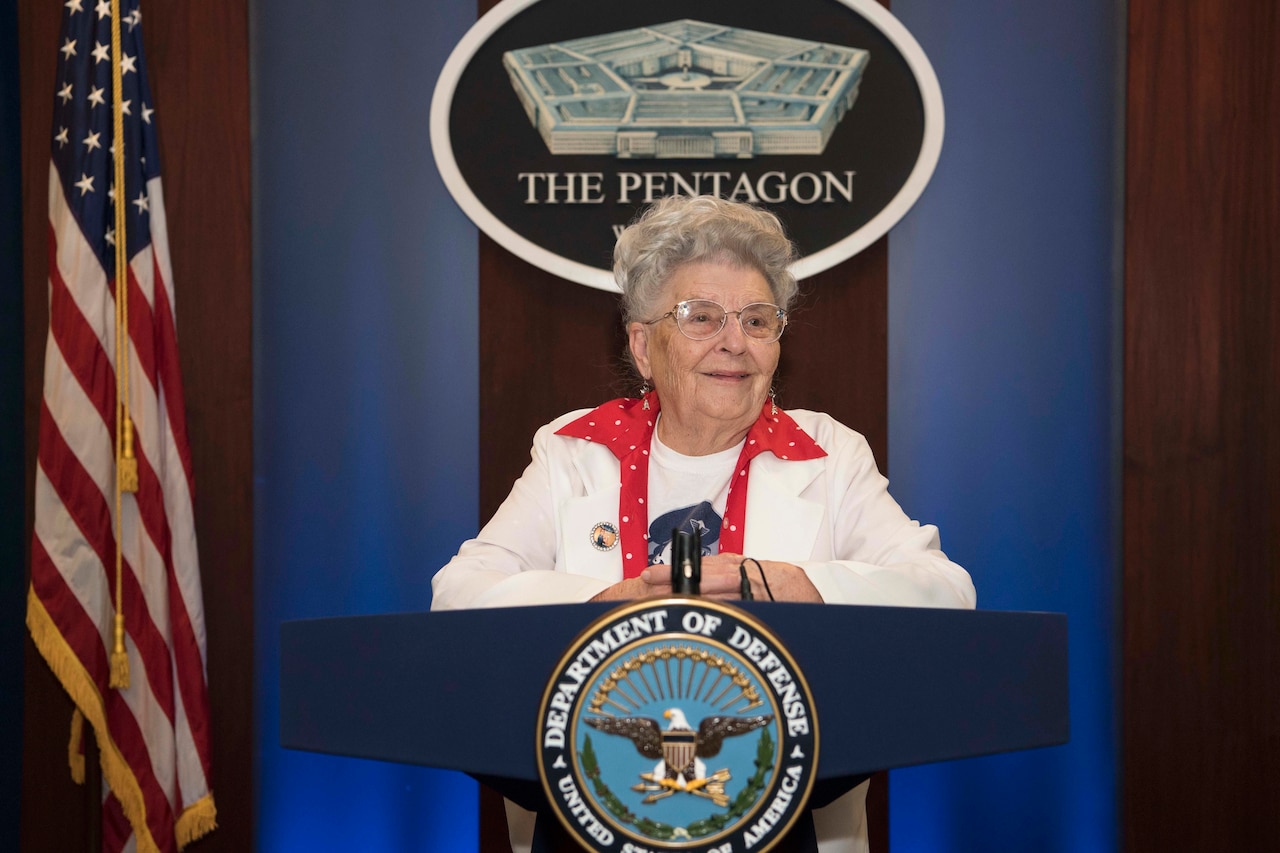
(119, 658)
(75, 749)
(127, 466)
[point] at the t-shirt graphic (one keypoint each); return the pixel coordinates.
(702, 518)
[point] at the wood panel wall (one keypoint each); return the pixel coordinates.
(198, 59)
(1201, 588)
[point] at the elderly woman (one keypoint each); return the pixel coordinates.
(705, 291)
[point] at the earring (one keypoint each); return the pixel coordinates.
(773, 402)
(644, 393)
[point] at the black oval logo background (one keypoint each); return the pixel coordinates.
(493, 141)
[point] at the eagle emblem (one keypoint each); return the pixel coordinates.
(680, 750)
(700, 690)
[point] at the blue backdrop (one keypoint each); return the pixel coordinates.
(1002, 429)
(1001, 384)
(365, 367)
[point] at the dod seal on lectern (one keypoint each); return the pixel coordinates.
(677, 724)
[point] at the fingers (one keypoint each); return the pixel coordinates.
(720, 579)
(657, 574)
(632, 588)
(717, 560)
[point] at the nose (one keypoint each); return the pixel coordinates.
(732, 338)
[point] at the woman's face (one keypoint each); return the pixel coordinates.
(716, 386)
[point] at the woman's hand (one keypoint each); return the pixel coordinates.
(721, 579)
(654, 580)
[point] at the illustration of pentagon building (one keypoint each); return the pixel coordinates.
(686, 89)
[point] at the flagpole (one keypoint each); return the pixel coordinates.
(126, 464)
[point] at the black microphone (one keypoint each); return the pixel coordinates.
(686, 562)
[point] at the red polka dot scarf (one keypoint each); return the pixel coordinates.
(626, 428)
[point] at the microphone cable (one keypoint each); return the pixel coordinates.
(744, 586)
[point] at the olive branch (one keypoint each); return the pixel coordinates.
(746, 797)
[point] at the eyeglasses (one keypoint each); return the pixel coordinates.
(702, 319)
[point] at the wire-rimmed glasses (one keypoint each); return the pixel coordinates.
(701, 319)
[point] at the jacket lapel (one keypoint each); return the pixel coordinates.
(782, 525)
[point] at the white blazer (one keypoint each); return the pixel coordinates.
(832, 516)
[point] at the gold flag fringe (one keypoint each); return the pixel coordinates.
(71, 673)
(196, 821)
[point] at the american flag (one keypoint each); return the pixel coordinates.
(153, 735)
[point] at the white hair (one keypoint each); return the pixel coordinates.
(679, 230)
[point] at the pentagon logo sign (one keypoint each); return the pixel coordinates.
(677, 724)
(554, 122)
(686, 89)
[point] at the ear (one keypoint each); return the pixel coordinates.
(638, 340)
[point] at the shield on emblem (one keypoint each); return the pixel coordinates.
(678, 750)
